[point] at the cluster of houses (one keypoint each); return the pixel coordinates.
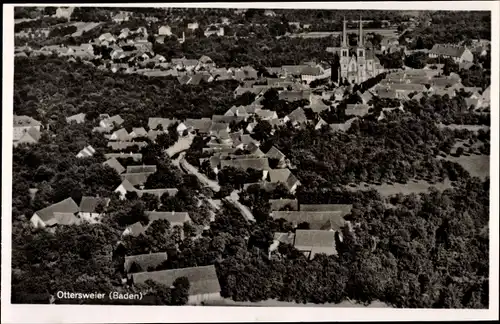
(26, 130)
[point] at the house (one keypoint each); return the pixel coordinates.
(296, 117)
(202, 125)
(125, 187)
(459, 54)
(241, 90)
(134, 230)
(344, 209)
(107, 37)
(174, 218)
(275, 154)
(64, 12)
(206, 62)
(144, 262)
(320, 124)
(247, 163)
(86, 152)
(215, 128)
(318, 220)
(24, 123)
(486, 96)
(111, 122)
(45, 217)
(158, 192)
(193, 26)
(124, 33)
(138, 132)
(317, 105)
(310, 73)
(141, 169)
(121, 17)
(221, 74)
(136, 178)
(227, 119)
(154, 122)
(312, 242)
(285, 177)
(121, 146)
(366, 97)
(137, 157)
(31, 136)
(356, 109)
(78, 118)
(204, 283)
(284, 204)
(120, 135)
(114, 164)
(91, 208)
(294, 95)
(265, 114)
(165, 30)
(214, 31)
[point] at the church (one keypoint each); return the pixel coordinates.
(357, 63)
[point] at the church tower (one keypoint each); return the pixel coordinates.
(361, 54)
(344, 54)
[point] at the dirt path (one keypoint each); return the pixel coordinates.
(192, 170)
(233, 199)
(181, 145)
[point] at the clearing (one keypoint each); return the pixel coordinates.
(413, 186)
(472, 128)
(83, 27)
(476, 165)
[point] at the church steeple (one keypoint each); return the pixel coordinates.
(344, 35)
(360, 42)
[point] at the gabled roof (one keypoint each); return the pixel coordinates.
(116, 119)
(135, 229)
(78, 118)
(274, 153)
(89, 204)
(316, 220)
(145, 261)
(217, 127)
(203, 280)
(298, 116)
(284, 238)
(140, 132)
(294, 95)
(227, 119)
(127, 185)
(277, 204)
(265, 114)
(174, 218)
(87, 151)
(119, 146)
(158, 192)
(153, 122)
(135, 156)
(65, 219)
(448, 50)
(343, 208)
(202, 125)
(317, 105)
(141, 169)
(357, 109)
(67, 205)
(254, 163)
(113, 163)
(315, 241)
(25, 121)
(284, 176)
(135, 178)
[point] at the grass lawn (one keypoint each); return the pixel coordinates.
(413, 186)
(476, 165)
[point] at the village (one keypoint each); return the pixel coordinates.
(229, 138)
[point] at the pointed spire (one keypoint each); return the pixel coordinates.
(360, 43)
(344, 35)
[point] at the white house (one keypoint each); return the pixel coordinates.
(86, 152)
(165, 31)
(458, 53)
(193, 26)
(51, 215)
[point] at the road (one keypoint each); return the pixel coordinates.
(185, 166)
(244, 210)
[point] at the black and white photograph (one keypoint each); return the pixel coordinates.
(254, 156)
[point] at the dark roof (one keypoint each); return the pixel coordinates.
(202, 125)
(357, 109)
(135, 178)
(227, 119)
(277, 204)
(141, 169)
(284, 176)
(255, 163)
(274, 153)
(447, 50)
(113, 163)
(89, 204)
(203, 280)
(174, 218)
(153, 122)
(158, 192)
(316, 220)
(294, 95)
(145, 261)
(66, 219)
(298, 115)
(67, 205)
(343, 208)
(316, 241)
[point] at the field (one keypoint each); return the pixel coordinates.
(472, 128)
(476, 165)
(414, 186)
(83, 27)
